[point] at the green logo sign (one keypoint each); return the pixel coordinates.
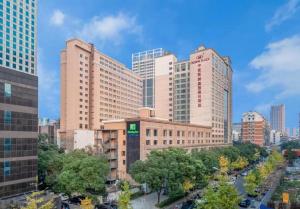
(132, 129)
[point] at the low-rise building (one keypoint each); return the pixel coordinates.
(125, 141)
(49, 128)
(255, 128)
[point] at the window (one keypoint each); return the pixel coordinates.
(7, 90)
(155, 132)
(165, 133)
(147, 142)
(6, 169)
(7, 117)
(7, 144)
(165, 142)
(123, 153)
(155, 142)
(170, 132)
(148, 132)
(178, 133)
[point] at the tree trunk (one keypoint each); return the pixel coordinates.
(158, 196)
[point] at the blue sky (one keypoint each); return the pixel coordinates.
(261, 37)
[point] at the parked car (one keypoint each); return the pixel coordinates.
(76, 200)
(106, 206)
(245, 203)
(245, 173)
(190, 204)
(63, 197)
(252, 195)
(65, 205)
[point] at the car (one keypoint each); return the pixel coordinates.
(65, 205)
(252, 195)
(244, 173)
(63, 197)
(190, 204)
(245, 203)
(76, 200)
(106, 206)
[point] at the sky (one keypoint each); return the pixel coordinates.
(261, 37)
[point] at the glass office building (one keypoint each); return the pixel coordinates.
(18, 97)
(143, 65)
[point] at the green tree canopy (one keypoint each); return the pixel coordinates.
(82, 173)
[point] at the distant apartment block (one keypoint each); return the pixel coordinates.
(143, 64)
(49, 128)
(277, 117)
(94, 88)
(18, 97)
(126, 140)
(255, 129)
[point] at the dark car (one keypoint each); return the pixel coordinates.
(76, 200)
(252, 195)
(190, 204)
(65, 205)
(106, 206)
(245, 203)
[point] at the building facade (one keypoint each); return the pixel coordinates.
(49, 128)
(277, 117)
(197, 91)
(255, 129)
(211, 92)
(18, 97)
(143, 64)
(127, 140)
(181, 87)
(94, 88)
(237, 131)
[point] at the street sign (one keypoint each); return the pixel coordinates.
(285, 197)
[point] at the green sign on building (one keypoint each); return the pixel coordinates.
(133, 129)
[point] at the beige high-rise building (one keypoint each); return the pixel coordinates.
(197, 91)
(211, 92)
(94, 88)
(164, 67)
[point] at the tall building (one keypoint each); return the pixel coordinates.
(211, 92)
(255, 129)
(277, 117)
(94, 88)
(181, 79)
(163, 86)
(143, 64)
(18, 97)
(197, 91)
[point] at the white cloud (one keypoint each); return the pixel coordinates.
(283, 13)
(279, 67)
(112, 28)
(57, 18)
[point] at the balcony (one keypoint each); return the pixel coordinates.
(112, 155)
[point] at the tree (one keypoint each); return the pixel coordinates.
(187, 186)
(83, 174)
(124, 198)
(169, 169)
(224, 165)
(240, 163)
(263, 171)
(251, 183)
(35, 202)
(209, 159)
(224, 196)
(49, 161)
